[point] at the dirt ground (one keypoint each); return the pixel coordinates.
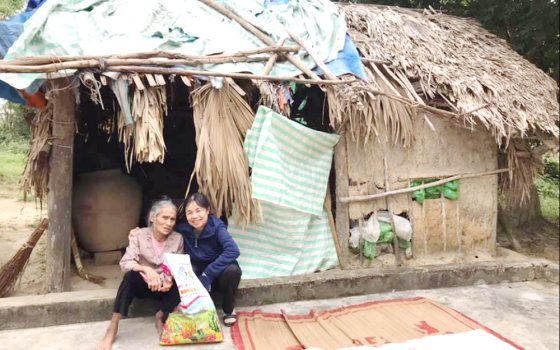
(19, 219)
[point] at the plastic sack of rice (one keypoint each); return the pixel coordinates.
(195, 320)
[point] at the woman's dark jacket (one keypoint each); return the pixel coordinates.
(214, 249)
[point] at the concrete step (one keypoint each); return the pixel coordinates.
(93, 306)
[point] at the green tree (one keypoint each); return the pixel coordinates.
(530, 26)
(9, 8)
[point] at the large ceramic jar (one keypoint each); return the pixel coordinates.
(106, 206)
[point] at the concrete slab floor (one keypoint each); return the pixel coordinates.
(526, 313)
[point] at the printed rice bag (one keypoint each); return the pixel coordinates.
(195, 320)
(180, 329)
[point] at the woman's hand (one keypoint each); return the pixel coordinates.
(167, 284)
(133, 233)
(152, 278)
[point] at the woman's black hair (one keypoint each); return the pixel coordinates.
(200, 199)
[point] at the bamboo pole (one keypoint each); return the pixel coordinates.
(322, 66)
(328, 207)
(414, 189)
(93, 63)
(184, 72)
(388, 200)
(272, 60)
(263, 37)
(38, 60)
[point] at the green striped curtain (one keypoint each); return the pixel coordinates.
(291, 165)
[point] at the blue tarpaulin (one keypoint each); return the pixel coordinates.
(10, 31)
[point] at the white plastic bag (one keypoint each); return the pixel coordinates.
(194, 297)
(370, 232)
(402, 225)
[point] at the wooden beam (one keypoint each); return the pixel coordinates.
(59, 238)
(181, 72)
(39, 60)
(342, 190)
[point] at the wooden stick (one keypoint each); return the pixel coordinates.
(374, 61)
(444, 218)
(411, 217)
(322, 66)
(55, 67)
(40, 60)
(256, 32)
(272, 60)
(180, 72)
(328, 207)
(388, 200)
(414, 189)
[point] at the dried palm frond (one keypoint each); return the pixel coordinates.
(222, 118)
(143, 140)
(525, 165)
(370, 116)
(456, 58)
(36, 173)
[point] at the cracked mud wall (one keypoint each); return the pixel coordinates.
(465, 225)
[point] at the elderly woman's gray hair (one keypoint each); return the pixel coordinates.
(158, 207)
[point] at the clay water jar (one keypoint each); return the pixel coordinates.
(106, 206)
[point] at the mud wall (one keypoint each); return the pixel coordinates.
(440, 226)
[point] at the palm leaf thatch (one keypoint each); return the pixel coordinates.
(222, 118)
(36, 173)
(368, 114)
(456, 60)
(143, 140)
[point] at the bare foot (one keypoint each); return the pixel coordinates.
(111, 335)
(108, 340)
(159, 322)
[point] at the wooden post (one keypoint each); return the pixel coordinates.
(59, 238)
(342, 209)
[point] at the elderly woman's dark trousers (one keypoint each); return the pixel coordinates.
(133, 287)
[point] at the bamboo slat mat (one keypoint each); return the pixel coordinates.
(372, 324)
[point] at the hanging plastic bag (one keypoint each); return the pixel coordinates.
(451, 190)
(370, 250)
(420, 195)
(387, 235)
(195, 320)
(402, 225)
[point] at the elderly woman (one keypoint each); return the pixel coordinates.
(213, 252)
(142, 264)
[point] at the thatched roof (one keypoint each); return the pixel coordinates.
(454, 58)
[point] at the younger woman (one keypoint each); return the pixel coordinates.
(213, 252)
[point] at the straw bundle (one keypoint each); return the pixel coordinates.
(36, 173)
(457, 59)
(526, 166)
(144, 140)
(222, 118)
(270, 97)
(13, 270)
